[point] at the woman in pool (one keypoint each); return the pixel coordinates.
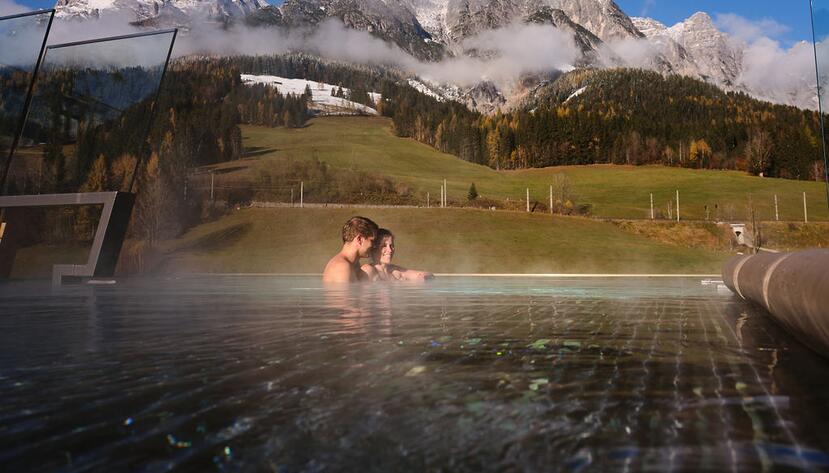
(381, 268)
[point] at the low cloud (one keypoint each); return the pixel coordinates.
(509, 52)
(777, 73)
(634, 52)
(646, 7)
(743, 29)
(770, 70)
(8, 7)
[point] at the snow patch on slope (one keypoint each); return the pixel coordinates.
(576, 94)
(322, 101)
(425, 90)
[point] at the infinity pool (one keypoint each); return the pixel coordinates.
(495, 374)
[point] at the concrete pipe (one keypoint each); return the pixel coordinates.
(793, 287)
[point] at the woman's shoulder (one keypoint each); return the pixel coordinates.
(370, 269)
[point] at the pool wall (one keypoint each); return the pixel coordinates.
(793, 287)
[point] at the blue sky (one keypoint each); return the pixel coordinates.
(793, 15)
(791, 18)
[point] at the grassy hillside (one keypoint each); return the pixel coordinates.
(367, 144)
(291, 240)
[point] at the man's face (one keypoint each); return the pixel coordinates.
(365, 246)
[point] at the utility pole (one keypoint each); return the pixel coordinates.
(652, 206)
(551, 199)
(528, 199)
(677, 205)
(776, 212)
(805, 212)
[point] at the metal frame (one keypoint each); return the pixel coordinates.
(154, 103)
(29, 93)
(114, 38)
(28, 13)
(109, 235)
(819, 101)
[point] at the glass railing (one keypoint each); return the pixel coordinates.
(85, 131)
(820, 27)
(91, 110)
(22, 39)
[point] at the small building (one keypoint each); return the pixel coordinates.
(739, 230)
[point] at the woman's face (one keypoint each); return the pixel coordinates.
(385, 251)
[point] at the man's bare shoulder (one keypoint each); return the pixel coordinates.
(338, 269)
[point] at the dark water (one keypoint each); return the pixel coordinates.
(275, 374)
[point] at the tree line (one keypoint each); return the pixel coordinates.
(623, 117)
(620, 116)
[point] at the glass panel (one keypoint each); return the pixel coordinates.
(85, 131)
(820, 24)
(90, 115)
(22, 38)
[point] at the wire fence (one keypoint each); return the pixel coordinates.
(556, 199)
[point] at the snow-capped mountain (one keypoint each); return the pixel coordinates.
(432, 30)
(673, 52)
(696, 48)
(714, 55)
(177, 11)
(453, 20)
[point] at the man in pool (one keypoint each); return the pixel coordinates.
(358, 237)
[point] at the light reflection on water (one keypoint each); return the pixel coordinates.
(252, 374)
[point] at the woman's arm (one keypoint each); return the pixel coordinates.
(403, 274)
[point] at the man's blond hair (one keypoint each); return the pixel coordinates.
(361, 226)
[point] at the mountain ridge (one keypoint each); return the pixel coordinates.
(434, 30)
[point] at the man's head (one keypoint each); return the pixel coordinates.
(360, 231)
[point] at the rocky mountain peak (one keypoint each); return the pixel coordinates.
(719, 58)
(648, 26)
(700, 20)
(147, 10)
(603, 18)
(431, 30)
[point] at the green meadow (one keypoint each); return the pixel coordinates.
(368, 144)
(468, 240)
(294, 240)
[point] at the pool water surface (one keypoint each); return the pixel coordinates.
(227, 373)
